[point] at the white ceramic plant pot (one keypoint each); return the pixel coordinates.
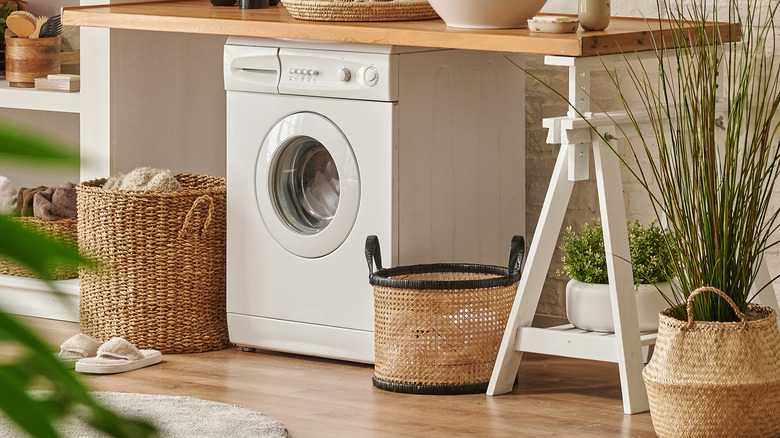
(588, 306)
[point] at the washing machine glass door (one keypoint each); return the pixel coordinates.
(307, 184)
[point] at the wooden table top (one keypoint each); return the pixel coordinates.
(623, 35)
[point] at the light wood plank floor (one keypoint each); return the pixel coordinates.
(555, 397)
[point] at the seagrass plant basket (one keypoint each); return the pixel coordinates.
(438, 327)
(715, 379)
(160, 279)
(61, 229)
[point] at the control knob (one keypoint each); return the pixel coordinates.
(371, 76)
(344, 74)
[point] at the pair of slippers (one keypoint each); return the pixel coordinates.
(88, 355)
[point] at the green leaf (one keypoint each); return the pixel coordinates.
(27, 148)
(34, 250)
(28, 414)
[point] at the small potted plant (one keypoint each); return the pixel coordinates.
(588, 304)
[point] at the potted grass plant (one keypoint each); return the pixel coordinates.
(588, 303)
(706, 131)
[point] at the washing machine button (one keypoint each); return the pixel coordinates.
(371, 76)
(344, 74)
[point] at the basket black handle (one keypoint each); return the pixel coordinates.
(516, 254)
(373, 255)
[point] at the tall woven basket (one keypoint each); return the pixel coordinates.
(160, 283)
(438, 327)
(714, 379)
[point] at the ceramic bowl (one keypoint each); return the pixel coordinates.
(487, 14)
(553, 24)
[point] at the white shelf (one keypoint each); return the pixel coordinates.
(32, 99)
(32, 297)
(567, 340)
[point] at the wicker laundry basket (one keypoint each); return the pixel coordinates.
(350, 10)
(160, 283)
(715, 379)
(62, 229)
(438, 327)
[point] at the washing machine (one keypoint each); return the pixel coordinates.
(328, 143)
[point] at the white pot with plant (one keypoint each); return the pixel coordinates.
(588, 302)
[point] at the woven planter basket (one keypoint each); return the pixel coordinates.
(63, 229)
(161, 279)
(438, 327)
(714, 379)
(349, 10)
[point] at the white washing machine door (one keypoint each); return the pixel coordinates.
(307, 184)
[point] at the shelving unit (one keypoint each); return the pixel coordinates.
(31, 99)
(135, 108)
(29, 296)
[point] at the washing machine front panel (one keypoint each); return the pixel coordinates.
(277, 299)
(307, 184)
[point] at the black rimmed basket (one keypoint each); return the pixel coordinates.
(438, 327)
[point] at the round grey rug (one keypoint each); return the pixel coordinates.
(175, 417)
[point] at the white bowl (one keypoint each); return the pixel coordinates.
(487, 14)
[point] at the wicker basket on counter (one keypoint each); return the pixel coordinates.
(376, 10)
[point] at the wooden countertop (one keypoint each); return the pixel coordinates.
(199, 16)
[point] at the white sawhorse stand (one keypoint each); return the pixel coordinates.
(624, 346)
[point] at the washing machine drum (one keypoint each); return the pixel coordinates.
(307, 184)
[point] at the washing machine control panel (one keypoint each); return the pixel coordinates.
(353, 75)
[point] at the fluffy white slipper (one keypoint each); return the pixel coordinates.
(78, 347)
(118, 356)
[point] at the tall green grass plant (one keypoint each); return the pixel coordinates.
(712, 152)
(711, 157)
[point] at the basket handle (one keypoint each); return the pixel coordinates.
(187, 228)
(373, 255)
(516, 254)
(723, 295)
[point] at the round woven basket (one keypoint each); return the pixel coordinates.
(160, 283)
(62, 229)
(715, 379)
(349, 10)
(438, 327)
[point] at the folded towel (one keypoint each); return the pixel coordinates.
(24, 200)
(144, 178)
(8, 196)
(55, 202)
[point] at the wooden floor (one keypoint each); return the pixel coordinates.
(555, 397)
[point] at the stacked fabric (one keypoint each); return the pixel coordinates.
(50, 203)
(54, 203)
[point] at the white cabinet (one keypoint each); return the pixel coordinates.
(147, 99)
